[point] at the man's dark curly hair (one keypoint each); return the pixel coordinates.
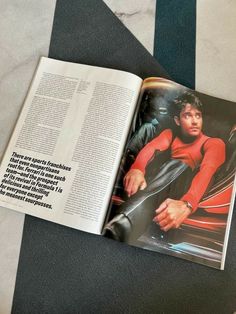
(184, 99)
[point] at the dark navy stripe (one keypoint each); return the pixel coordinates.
(175, 39)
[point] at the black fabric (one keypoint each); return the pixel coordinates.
(139, 209)
(175, 39)
(88, 32)
(62, 270)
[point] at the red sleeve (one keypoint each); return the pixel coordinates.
(214, 157)
(161, 143)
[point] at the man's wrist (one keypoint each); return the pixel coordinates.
(189, 206)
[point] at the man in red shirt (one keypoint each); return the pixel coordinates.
(191, 152)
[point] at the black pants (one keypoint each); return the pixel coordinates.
(172, 180)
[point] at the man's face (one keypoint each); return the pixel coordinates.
(190, 121)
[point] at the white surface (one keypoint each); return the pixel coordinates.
(25, 30)
(11, 227)
(216, 48)
(138, 16)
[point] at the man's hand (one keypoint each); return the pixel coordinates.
(133, 181)
(171, 213)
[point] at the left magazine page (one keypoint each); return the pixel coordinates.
(62, 159)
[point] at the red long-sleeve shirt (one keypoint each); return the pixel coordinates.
(204, 151)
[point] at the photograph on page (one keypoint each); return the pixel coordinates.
(173, 193)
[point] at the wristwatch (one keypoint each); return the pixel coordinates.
(189, 206)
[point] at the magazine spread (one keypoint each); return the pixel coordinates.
(174, 191)
(149, 163)
(61, 161)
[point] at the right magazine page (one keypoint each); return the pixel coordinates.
(174, 191)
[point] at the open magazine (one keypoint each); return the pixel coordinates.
(150, 163)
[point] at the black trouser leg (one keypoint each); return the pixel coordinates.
(138, 211)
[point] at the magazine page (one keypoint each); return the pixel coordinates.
(64, 153)
(174, 192)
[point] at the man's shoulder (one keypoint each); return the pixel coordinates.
(163, 140)
(213, 142)
(167, 133)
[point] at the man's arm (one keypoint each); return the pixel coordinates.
(171, 213)
(134, 179)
